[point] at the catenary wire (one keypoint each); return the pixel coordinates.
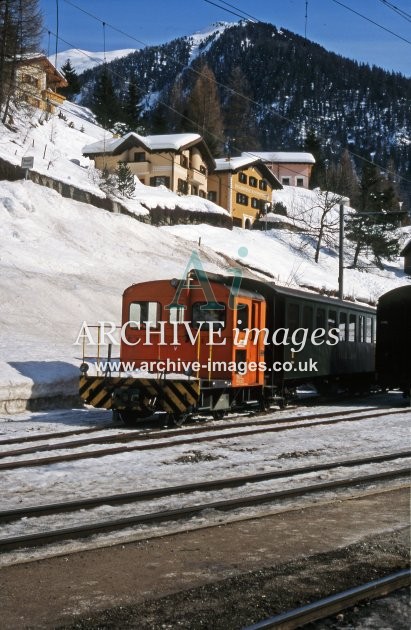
(218, 83)
(401, 12)
(384, 28)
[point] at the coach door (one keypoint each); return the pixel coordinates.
(249, 346)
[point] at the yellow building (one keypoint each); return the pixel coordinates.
(180, 161)
(243, 186)
(37, 82)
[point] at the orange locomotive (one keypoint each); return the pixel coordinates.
(188, 343)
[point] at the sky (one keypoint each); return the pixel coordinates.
(155, 21)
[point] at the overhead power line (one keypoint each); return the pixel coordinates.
(218, 83)
(401, 12)
(241, 15)
(384, 28)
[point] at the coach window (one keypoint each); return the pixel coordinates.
(293, 317)
(332, 319)
(320, 319)
(368, 329)
(307, 322)
(202, 313)
(343, 326)
(176, 314)
(361, 328)
(242, 316)
(144, 314)
(351, 327)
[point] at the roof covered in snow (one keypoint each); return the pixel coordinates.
(283, 157)
(168, 142)
(163, 142)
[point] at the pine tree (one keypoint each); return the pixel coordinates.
(105, 105)
(72, 79)
(318, 174)
(379, 215)
(239, 124)
(125, 180)
(204, 110)
(132, 109)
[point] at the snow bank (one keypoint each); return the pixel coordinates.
(63, 262)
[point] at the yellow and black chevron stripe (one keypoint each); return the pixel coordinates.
(140, 394)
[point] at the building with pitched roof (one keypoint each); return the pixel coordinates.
(180, 161)
(290, 168)
(243, 186)
(37, 82)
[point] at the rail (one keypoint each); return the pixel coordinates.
(335, 603)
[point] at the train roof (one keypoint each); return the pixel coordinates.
(400, 293)
(270, 290)
(260, 289)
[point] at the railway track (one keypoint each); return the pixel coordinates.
(130, 434)
(335, 603)
(212, 433)
(187, 512)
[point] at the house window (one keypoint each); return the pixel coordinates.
(202, 194)
(182, 186)
(28, 78)
(183, 161)
(285, 181)
(212, 196)
(252, 181)
(160, 181)
(262, 184)
(255, 203)
(242, 199)
(242, 178)
(203, 170)
(300, 182)
(194, 190)
(139, 157)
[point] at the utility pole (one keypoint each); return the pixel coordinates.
(341, 255)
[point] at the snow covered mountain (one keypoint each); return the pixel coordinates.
(82, 60)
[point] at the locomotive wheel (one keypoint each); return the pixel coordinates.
(178, 419)
(218, 415)
(128, 417)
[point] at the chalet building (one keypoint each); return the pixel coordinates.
(37, 82)
(181, 161)
(290, 168)
(406, 253)
(243, 186)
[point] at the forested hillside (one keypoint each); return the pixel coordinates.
(292, 87)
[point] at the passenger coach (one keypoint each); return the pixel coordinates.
(260, 352)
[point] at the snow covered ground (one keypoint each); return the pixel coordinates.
(179, 464)
(63, 262)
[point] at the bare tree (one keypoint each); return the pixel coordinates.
(21, 25)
